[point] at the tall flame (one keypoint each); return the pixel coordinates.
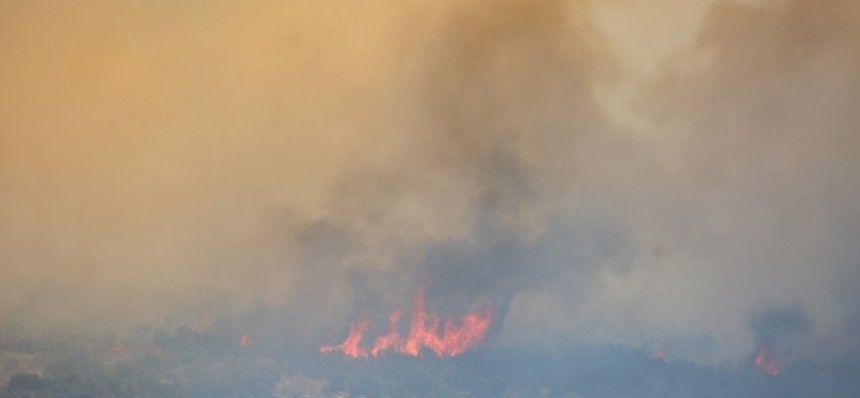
(426, 331)
(390, 340)
(352, 345)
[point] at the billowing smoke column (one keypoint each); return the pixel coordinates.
(465, 203)
(426, 332)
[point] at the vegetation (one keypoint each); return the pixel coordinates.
(189, 364)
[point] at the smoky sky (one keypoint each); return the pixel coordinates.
(172, 163)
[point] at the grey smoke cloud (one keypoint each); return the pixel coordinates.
(749, 196)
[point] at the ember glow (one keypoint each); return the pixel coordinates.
(444, 338)
(766, 363)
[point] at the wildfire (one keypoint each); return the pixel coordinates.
(659, 355)
(245, 341)
(445, 339)
(766, 363)
(351, 346)
(390, 340)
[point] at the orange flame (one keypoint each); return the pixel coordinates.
(350, 346)
(390, 340)
(766, 363)
(455, 338)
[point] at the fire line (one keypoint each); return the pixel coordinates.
(445, 338)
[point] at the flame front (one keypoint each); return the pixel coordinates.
(390, 340)
(352, 345)
(456, 337)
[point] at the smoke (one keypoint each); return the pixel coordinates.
(173, 169)
(759, 147)
(149, 152)
(465, 203)
(784, 333)
(170, 164)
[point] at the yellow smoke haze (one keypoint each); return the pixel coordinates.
(610, 168)
(147, 145)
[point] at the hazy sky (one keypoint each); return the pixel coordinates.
(627, 171)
